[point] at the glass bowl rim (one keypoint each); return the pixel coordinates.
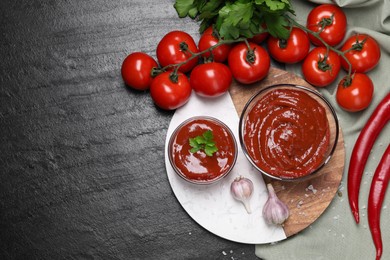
(301, 88)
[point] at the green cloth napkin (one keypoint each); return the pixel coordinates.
(335, 235)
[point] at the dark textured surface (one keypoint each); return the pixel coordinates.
(81, 157)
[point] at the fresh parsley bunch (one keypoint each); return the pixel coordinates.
(204, 142)
(239, 18)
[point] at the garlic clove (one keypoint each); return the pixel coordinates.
(247, 205)
(274, 211)
(242, 189)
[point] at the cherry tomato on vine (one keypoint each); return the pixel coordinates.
(320, 68)
(209, 39)
(330, 21)
(364, 53)
(176, 47)
(136, 70)
(355, 95)
(259, 38)
(248, 65)
(168, 94)
(211, 79)
(292, 50)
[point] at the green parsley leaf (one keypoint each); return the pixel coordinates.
(203, 142)
(277, 26)
(193, 143)
(193, 12)
(210, 150)
(233, 17)
(183, 7)
(194, 149)
(210, 9)
(238, 18)
(208, 135)
(275, 5)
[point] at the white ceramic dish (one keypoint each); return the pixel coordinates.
(212, 206)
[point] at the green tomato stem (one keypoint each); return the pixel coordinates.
(195, 55)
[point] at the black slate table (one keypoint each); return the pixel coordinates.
(82, 156)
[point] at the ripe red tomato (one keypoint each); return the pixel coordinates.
(136, 70)
(169, 50)
(364, 54)
(292, 50)
(167, 94)
(211, 79)
(356, 96)
(243, 70)
(333, 21)
(259, 38)
(321, 70)
(207, 40)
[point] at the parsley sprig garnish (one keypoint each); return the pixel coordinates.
(239, 18)
(204, 142)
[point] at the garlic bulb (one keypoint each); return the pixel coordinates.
(274, 210)
(241, 189)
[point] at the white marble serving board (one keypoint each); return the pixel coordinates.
(212, 206)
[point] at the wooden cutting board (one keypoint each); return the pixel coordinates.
(307, 200)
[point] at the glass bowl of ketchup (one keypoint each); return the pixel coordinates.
(202, 150)
(288, 132)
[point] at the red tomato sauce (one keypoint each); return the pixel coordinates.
(198, 166)
(287, 133)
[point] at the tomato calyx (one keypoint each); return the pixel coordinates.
(208, 59)
(327, 21)
(184, 48)
(358, 45)
(323, 64)
(346, 81)
(250, 54)
(282, 43)
(174, 77)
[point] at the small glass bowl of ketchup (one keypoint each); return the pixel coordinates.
(196, 166)
(288, 132)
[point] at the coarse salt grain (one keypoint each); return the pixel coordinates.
(311, 188)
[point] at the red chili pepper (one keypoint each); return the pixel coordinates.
(361, 150)
(375, 199)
